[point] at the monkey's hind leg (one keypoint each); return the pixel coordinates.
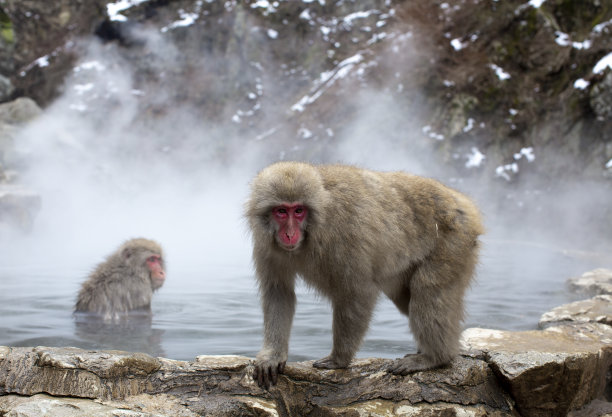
(435, 314)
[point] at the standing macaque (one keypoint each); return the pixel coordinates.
(351, 234)
(125, 281)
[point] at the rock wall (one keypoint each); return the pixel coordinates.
(495, 76)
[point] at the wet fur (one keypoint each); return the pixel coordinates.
(121, 283)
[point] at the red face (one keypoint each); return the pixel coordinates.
(290, 221)
(156, 271)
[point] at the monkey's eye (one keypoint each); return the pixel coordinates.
(300, 212)
(280, 212)
(154, 258)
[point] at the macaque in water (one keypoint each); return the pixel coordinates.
(352, 234)
(125, 281)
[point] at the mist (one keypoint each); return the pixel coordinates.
(107, 171)
(109, 166)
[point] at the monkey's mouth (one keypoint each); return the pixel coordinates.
(289, 248)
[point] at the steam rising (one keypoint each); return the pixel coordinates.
(107, 170)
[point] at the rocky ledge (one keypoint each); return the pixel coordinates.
(563, 369)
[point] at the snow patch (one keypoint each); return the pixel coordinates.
(305, 133)
(536, 3)
(359, 15)
(186, 19)
(504, 171)
(90, 65)
(581, 84)
(600, 27)
(266, 6)
(114, 9)
(43, 61)
(526, 153)
(475, 158)
(457, 44)
(499, 71)
(563, 39)
(326, 80)
(609, 164)
(605, 62)
(427, 130)
(469, 125)
(83, 88)
(305, 15)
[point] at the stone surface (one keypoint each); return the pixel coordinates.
(40, 405)
(18, 207)
(550, 372)
(6, 88)
(536, 373)
(597, 281)
(601, 97)
(19, 110)
(597, 408)
(594, 310)
(224, 386)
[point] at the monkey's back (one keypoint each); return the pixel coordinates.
(111, 289)
(390, 220)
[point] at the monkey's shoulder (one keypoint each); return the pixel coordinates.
(114, 276)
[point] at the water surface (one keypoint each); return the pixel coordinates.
(214, 309)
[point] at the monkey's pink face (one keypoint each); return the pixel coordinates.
(289, 220)
(156, 271)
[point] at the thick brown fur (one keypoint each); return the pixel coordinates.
(122, 283)
(367, 232)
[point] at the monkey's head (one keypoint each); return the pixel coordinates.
(287, 200)
(145, 255)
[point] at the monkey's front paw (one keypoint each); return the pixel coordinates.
(410, 364)
(329, 363)
(266, 372)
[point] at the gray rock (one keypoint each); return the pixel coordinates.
(45, 405)
(6, 88)
(597, 408)
(19, 111)
(601, 98)
(18, 206)
(595, 282)
(550, 372)
(594, 310)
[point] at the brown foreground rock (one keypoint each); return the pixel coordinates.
(537, 373)
(222, 385)
(550, 372)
